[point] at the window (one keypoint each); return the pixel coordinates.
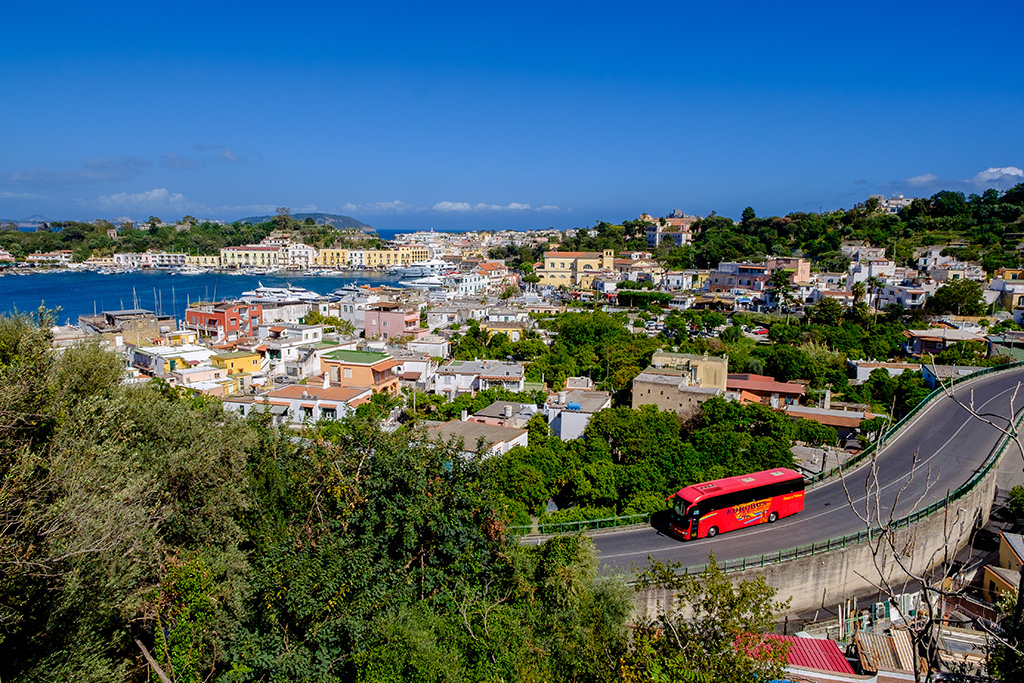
(348, 373)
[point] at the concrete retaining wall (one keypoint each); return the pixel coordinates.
(825, 579)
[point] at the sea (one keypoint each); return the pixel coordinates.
(76, 293)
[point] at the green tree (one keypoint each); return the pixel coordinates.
(960, 297)
(715, 630)
(827, 311)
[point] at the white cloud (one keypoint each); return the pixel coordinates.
(466, 206)
(921, 180)
(999, 178)
(158, 199)
(396, 206)
(452, 206)
(547, 207)
(20, 195)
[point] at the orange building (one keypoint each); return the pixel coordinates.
(361, 369)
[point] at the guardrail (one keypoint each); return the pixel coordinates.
(811, 549)
(554, 528)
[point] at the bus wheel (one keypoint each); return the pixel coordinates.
(773, 516)
(712, 532)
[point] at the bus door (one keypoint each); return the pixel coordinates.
(694, 522)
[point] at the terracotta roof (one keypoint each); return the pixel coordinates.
(761, 383)
(832, 418)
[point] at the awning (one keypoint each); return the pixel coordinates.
(307, 405)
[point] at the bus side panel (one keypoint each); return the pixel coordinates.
(790, 504)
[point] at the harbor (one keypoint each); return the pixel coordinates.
(78, 293)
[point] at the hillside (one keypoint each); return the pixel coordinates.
(331, 219)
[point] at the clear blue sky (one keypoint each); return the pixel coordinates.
(489, 115)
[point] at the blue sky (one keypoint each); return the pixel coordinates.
(519, 115)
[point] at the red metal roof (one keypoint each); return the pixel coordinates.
(814, 653)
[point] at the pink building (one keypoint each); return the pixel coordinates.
(388, 320)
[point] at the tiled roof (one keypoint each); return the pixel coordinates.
(752, 382)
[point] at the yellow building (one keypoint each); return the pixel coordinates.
(412, 253)
(251, 255)
(235, 362)
(209, 261)
(332, 258)
(574, 268)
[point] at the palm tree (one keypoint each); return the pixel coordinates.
(875, 284)
(857, 290)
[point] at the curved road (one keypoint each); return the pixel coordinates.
(950, 445)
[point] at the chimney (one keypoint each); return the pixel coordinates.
(508, 411)
(827, 405)
(465, 414)
(327, 380)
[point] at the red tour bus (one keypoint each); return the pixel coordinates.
(722, 505)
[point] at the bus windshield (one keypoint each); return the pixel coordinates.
(681, 506)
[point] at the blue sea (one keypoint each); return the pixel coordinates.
(82, 293)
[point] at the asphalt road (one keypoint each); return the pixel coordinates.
(950, 445)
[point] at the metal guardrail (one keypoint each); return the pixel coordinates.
(863, 536)
(554, 528)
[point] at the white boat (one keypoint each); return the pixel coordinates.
(434, 266)
(287, 294)
(429, 282)
(190, 270)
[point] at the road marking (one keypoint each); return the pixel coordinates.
(763, 528)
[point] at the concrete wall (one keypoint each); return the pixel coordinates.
(828, 578)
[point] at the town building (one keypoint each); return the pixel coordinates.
(934, 340)
(252, 256)
(374, 370)
(390, 320)
(138, 326)
(475, 438)
(751, 388)
(574, 268)
(505, 414)
(569, 412)
(62, 257)
(674, 229)
(298, 405)
(225, 320)
(465, 376)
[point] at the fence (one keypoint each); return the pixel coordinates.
(863, 536)
(550, 528)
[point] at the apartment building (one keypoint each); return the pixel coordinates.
(574, 268)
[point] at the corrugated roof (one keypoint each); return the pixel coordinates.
(876, 652)
(814, 653)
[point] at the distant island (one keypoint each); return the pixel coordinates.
(331, 219)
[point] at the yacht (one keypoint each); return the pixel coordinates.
(434, 266)
(429, 282)
(287, 294)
